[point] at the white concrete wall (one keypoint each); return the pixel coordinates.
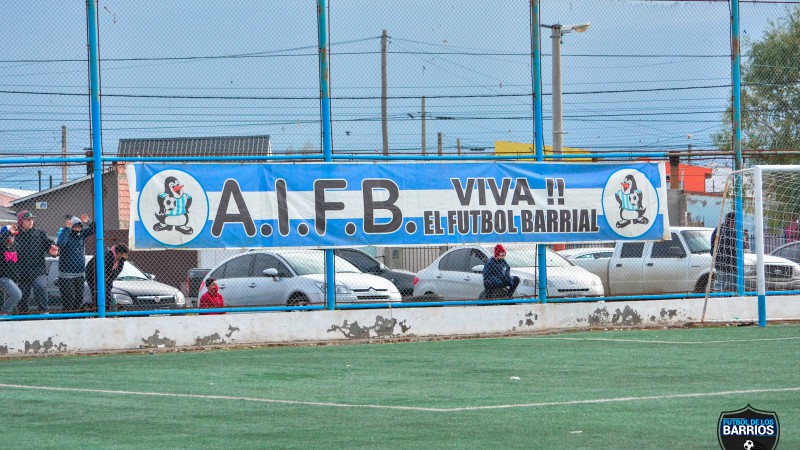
(96, 335)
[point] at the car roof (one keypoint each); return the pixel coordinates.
(583, 250)
(789, 244)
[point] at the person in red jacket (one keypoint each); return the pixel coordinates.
(212, 298)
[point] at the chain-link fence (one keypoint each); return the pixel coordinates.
(239, 83)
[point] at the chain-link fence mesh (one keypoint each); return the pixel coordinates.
(736, 237)
(407, 78)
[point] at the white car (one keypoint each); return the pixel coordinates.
(457, 274)
(294, 277)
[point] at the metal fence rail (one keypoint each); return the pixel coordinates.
(442, 82)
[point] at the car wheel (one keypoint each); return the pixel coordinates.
(700, 287)
(298, 299)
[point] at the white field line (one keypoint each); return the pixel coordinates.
(647, 341)
(403, 408)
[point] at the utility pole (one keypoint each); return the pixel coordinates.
(424, 150)
(458, 146)
(64, 153)
(384, 93)
(439, 146)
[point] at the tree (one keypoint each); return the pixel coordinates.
(770, 96)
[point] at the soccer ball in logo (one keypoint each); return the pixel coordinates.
(748, 445)
(169, 203)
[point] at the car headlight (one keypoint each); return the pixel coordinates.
(529, 282)
(122, 299)
(180, 299)
(340, 288)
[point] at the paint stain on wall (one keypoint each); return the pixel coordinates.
(47, 346)
(231, 330)
(382, 328)
(599, 317)
(628, 316)
(155, 341)
(209, 340)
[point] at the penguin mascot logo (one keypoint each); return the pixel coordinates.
(629, 198)
(173, 211)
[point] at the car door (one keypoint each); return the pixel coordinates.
(233, 279)
(268, 290)
(458, 280)
(666, 268)
(625, 273)
(452, 275)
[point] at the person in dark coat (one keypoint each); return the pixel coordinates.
(72, 262)
(726, 259)
(32, 246)
(115, 259)
(8, 270)
(497, 279)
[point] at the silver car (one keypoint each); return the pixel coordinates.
(457, 274)
(294, 277)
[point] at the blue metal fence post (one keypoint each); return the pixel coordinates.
(538, 140)
(736, 81)
(327, 145)
(97, 155)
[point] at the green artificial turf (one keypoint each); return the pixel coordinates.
(575, 390)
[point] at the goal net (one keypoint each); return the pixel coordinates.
(756, 244)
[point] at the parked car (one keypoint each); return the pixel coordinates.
(133, 290)
(194, 278)
(402, 279)
(294, 277)
(457, 274)
(682, 264)
(790, 251)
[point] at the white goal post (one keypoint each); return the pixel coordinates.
(764, 203)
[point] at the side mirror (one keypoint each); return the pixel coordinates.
(150, 276)
(478, 268)
(382, 267)
(271, 272)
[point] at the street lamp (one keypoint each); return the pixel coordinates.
(557, 31)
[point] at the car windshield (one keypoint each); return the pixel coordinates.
(699, 241)
(313, 262)
(131, 272)
(525, 256)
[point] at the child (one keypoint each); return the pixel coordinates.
(212, 298)
(8, 269)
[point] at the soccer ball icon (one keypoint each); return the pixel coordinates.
(748, 445)
(169, 203)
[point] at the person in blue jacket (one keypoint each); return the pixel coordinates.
(72, 262)
(497, 279)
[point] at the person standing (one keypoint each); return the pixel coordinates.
(72, 262)
(32, 246)
(497, 279)
(212, 298)
(8, 270)
(792, 231)
(115, 258)
(726, 259)
(66, 227)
